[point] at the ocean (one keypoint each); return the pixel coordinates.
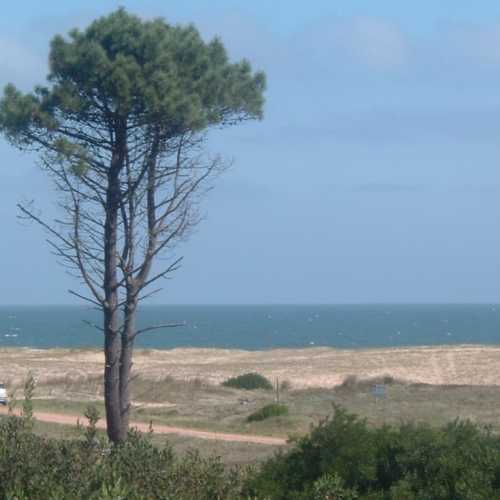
(263, 326)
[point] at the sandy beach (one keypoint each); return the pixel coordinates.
(303, 368)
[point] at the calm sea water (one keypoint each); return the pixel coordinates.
(263, 327)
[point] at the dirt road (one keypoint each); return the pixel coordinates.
(58, 418)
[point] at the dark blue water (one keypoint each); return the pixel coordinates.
(264, 327)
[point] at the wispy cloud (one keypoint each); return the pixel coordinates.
(388, 187)
(473, 44)
(493, 189)
(374, 43)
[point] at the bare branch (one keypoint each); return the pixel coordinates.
(158, 327)
(170, 269)
(92, 301)
(93, 325)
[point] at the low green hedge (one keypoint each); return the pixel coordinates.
(270, 410)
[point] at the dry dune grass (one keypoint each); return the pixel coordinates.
(303, 368)
(180, 387)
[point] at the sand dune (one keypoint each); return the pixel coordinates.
(311, 367)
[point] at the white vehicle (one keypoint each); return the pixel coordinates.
(3, 394)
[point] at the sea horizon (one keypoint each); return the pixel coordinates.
(263, 326)
(252, 304)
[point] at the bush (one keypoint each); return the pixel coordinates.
(286, 385)
(89, 467)
(331, 486)
(249, 382)
(36, 468)
(270, 410)
(344, 458)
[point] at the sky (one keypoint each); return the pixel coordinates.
(374, 176)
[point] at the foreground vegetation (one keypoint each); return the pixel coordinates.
(34, 467)
(341, 458)
(344, 458)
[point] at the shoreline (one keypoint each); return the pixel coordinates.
(314, 366)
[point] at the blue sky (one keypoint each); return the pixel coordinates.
(374, 176)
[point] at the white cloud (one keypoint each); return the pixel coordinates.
(376, 43)
(364, 42)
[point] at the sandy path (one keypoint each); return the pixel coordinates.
(57, 418)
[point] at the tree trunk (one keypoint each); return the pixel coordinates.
(112, 337)
(126, 362)
(112, 352)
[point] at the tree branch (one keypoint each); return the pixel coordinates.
(158, 327)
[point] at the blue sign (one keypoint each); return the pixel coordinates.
(379, 391)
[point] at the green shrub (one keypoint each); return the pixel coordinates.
(89, 467)
(249, 381)
(343, 456)
(34, 467)
(331, 486)
(270, 410)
